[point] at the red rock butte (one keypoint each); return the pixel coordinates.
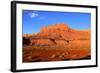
(62, 30)
(61, 37)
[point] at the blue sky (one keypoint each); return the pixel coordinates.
(33, 20)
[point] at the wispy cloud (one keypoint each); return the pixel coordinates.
(33, 14)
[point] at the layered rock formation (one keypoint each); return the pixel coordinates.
(61, 36)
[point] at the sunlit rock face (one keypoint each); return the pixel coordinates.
(62, 34)
(58, 38)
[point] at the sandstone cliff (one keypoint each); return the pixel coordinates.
(59, 38)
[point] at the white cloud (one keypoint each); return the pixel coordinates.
(33, 15)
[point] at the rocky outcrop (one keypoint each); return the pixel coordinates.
(59, 34)
(57, 42)
(42, 42)
(62, 30)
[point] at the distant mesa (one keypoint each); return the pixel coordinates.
(60, 34)
(59, 37)
(63, 31)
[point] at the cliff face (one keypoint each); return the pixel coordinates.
(63, 31)
(58, 38)
(60, 34)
